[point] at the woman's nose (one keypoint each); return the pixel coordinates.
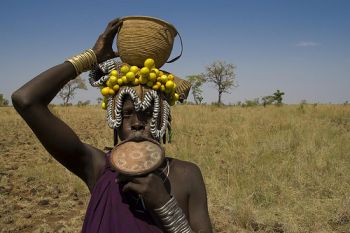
(137, 124)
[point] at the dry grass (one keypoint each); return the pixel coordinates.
(271, 169)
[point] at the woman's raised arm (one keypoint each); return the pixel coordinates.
(32, 99)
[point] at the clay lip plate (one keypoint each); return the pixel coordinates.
(137, 156)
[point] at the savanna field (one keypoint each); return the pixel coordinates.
(273, 169)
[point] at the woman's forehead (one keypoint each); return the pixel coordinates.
(129, 104)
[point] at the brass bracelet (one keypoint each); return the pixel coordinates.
(84, 61)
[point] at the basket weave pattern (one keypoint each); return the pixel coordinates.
(140, 38)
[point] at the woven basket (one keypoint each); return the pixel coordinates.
(142, 37)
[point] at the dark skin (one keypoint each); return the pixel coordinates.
(185, 179)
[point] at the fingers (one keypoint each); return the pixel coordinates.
(114, 21)
(140, 180)
(148, 179)
(130, 186)
(112, 27)
(123, 178)
(137, 184)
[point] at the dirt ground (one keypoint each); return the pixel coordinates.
(36, 193)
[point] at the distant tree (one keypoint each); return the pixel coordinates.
(3, 101)
(278, 97)
(68, 92)
(303, 102)
(83, 103)
(196, 82)
(251, 103)
(267, 100)
(222, 75)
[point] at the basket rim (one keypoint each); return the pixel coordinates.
(150, 18)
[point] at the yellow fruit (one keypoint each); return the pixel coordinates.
(130, 76)
(144, 71)
(149, 84)
(136, 82)
(160, 73)
(105, 91)
(169, 84)
(174, 86)
(162, 87)
(159, 84)
(104, 105)
(176, 96)
(108, 83)
(143, 79)
(171, 77)
(164, 78)
(113, 79)
(124, 69)
(134, 69)
(114, 73)
(155, 70)
(149, 63)
(152, 77)
(120, 81)
(116, 87)
(111, 91)
(156, 87)
(125, 80)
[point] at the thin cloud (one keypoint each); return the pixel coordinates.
(307, 44)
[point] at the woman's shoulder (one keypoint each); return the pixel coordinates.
(186, 176)
(184, 168)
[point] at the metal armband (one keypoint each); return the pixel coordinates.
(173, 218)
(84, 61)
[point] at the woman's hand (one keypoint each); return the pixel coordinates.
(151, 188)
(103, 47)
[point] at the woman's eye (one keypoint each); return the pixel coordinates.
(127, 113)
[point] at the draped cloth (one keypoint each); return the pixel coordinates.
(112, 211)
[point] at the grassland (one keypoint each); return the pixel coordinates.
(273, 169)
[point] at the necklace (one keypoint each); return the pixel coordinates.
(167, 169)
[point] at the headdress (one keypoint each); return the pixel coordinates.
(145, 86)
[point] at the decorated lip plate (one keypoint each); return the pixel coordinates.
(137, 157)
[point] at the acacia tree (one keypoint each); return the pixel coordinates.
(222, 75)
(68, 92)
(196, 82)
(278, 97)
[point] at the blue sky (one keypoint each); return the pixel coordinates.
(299, 47)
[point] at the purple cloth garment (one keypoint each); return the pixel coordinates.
(110, 210)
